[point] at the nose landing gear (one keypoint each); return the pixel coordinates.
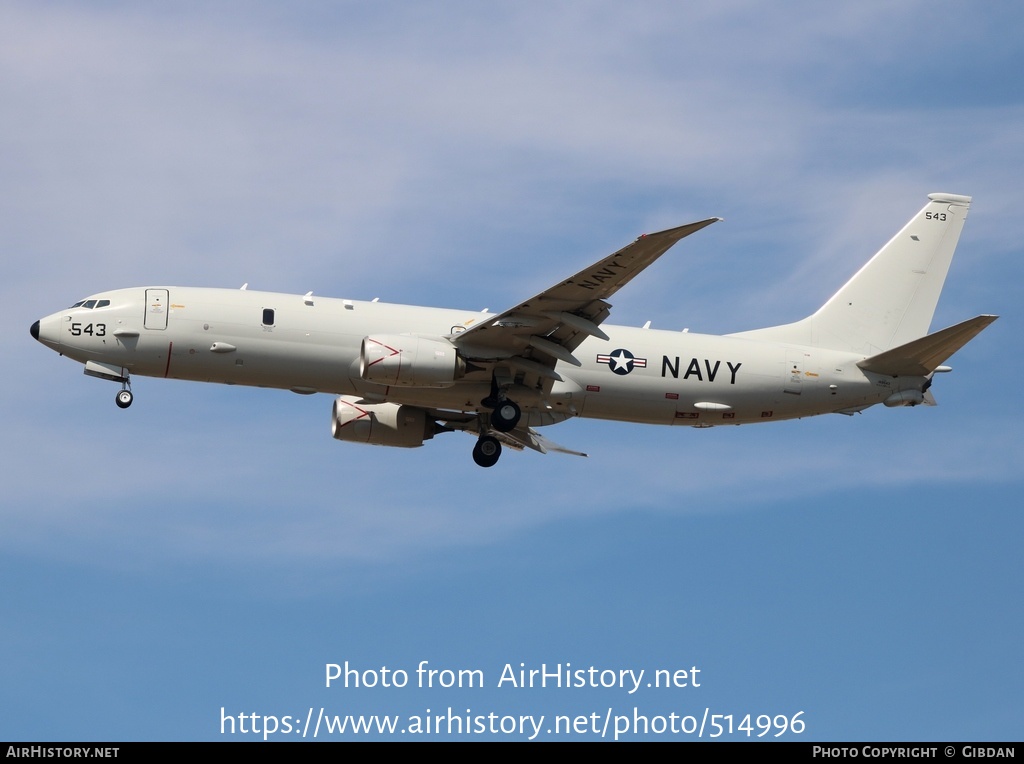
(124, 396)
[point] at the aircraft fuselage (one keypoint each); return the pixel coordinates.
(312, 344)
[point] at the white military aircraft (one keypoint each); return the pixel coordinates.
(402, 374)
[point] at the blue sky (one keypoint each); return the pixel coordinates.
(213, 547)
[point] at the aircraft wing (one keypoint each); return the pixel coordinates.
(527, 437)
(535, 334)
(519, 438)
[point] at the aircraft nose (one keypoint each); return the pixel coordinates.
(48, 330)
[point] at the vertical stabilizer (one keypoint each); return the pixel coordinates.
(891, 300)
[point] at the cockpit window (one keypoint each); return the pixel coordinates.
(78, 304)
(102, 303)
(89, 304)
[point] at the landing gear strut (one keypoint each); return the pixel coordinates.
(486, 451)
(505, 413)
(124, 396)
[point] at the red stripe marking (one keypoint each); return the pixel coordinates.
(362, 413)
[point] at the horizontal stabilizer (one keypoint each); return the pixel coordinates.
(921, 357)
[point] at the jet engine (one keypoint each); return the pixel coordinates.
(380, 424)
(904, 398)
(408, 361)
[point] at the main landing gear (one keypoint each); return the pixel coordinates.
(486, 451)
(124, 396)
(505, 415)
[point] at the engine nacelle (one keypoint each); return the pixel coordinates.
(408, 361)
(905, 398)
(380, 424)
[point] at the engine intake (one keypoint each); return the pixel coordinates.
(408, 361)
(380, 424)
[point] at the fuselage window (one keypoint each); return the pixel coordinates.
(268, 316)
